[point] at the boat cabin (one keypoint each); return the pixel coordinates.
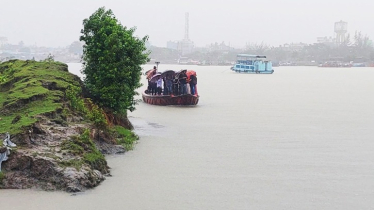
(252, 64)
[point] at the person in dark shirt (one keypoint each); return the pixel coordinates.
(175, 86)
(183, 82)
(193, 83)
(149, 76)
(169, 84)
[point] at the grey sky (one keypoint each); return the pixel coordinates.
(58, 22)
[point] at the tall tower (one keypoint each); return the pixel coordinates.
(186, 46)
(340, 29)
(186, 37)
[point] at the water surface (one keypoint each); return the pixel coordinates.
(301, 138)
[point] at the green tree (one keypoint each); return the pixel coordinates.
(112, 59)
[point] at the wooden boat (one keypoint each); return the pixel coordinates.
(165, 100)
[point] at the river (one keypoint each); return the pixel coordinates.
(301, 138)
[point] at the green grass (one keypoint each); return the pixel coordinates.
(96, 160)
(126, 137)
(72, 147)
(83, 146)
(24, 91)
(29, 89)
(75, 163)
(2, 176)
(3, 97)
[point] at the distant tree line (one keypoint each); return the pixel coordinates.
(358, 48)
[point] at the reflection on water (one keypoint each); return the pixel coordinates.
(300, 138)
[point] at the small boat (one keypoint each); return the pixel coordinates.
(252, 64)
(165, 100)
(174, 98)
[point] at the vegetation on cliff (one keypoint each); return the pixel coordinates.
(63, 126)
(61, 135)
(31, 88)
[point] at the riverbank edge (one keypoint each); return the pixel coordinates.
(58, 147)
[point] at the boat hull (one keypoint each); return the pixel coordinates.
(254, 72)
(165, 100)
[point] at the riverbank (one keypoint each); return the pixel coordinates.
(59, 147)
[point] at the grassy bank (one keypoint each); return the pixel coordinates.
(29, 89)
(70, 133)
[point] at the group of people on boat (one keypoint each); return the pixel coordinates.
(171, 83)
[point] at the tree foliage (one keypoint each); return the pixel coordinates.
(112, 59)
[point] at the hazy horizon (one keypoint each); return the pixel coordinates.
(235, 22)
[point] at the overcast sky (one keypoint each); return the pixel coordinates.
(57, 23)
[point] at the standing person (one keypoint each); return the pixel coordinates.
(176, 86)
(193, 83)
(149, 76)
(159, 86)
(183, 82)
(149, 87)
(169, 84)
(188, 88)
(165, 91)
(153, 88)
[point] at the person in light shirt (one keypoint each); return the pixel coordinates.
(159, 86)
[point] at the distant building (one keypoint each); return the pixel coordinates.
(219, 47)
(325, 40)
(172, 45)
(340, 28)
(330, 41)
(185, 46)
(294, 46)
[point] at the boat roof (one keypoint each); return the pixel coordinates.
(251, 56)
